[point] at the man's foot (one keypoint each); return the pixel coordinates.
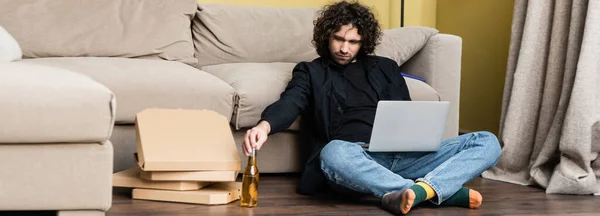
(402, 202)
(464, 197)
(475, 199)
(399, 202)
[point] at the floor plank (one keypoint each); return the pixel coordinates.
(277, 197)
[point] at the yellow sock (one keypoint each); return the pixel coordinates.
(428, 189)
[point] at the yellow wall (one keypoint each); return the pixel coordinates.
(485, 30)
(420, 13)
(387, 11)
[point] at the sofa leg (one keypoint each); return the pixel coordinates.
(80, 213)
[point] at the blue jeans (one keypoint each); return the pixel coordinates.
(460, 159)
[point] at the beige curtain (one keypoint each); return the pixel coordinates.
(550, 124)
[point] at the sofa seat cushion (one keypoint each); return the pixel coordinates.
(142, 83)
(42, 104)
(421, 91)
(258, 85)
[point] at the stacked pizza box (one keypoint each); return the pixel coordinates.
(184, 156)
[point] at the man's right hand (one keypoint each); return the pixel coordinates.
(256, 137)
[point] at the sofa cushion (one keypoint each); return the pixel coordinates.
(9, 48)
(258, 85)
(421, 91)
(141, 83)
(222, 34)
(42, 104)
(400, 44)
(132, 28)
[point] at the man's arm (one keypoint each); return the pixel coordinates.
(401, 90)
(281, 114)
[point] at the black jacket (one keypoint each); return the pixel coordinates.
(313, 93)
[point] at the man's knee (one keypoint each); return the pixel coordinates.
(336, 153)
(491, 143)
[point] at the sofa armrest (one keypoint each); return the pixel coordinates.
(439, 63)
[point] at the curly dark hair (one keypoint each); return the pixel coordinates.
(332, 17)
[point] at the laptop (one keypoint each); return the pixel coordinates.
(408, 126)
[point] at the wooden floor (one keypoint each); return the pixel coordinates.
(277, 197)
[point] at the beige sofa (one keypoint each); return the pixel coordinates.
(167, 54)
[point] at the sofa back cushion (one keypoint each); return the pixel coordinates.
(401, 44)
(158, 29)
(234, 34)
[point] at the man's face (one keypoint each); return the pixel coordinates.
(344, 44)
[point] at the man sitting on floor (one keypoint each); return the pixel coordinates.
(338, 92)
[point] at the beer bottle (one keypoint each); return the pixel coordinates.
(250, 183)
